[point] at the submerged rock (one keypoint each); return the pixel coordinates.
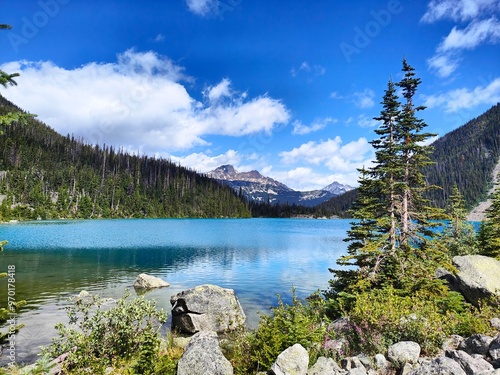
(207, 308)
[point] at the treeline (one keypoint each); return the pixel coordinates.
(45, 175)
(466, 158)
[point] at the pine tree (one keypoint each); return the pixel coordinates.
(459, 236)
(391, 242)
(365, 233)
(388, 165)
(489, 232)
(414, 157)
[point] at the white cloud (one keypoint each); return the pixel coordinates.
(201, 162)
(459, 99)
(138, 102)
(482, 26)
(160, 38)
(336, 95)
(203, 7)
(305, 66)
(476, 33)
(219, 91)
(458, 10)
(367, 122)
(331, 153)
(318, 124)
(364, 99)
(444, 64)
(306, 179)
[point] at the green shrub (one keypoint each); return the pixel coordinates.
(301, 323)
(382, 317)
(99, 336)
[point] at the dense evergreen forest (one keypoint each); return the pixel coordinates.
(46, 175)
(466, 158)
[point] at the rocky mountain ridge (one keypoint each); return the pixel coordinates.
(256, 187)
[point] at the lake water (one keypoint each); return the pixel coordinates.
(258, 258)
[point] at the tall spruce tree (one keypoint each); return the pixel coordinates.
(414, 157)
(459, 236)
(489, 232)
(396, 249)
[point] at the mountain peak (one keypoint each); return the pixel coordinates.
(227, 168)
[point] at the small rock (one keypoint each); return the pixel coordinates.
(476, 344)
(292, 361)
(324, 366)
(404, 352)
(495, 323)
(83, 295)
(452, 342)
(380, 361)
(145, 281)
(407, 368)
(441, 366)
(494, 348)
(351, 363)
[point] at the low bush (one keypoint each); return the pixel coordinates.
(100, 336)
(382, 317)
(301, 323)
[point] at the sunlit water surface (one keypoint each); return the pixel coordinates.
(258, 258)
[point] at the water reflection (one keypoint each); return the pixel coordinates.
(259, 258)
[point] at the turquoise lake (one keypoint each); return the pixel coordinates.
(258, 258)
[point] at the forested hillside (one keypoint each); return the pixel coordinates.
(46, 175)
(466, 157)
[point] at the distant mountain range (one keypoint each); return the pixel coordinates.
(256, 187)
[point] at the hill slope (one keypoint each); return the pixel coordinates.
(46, 175)
(466, 157)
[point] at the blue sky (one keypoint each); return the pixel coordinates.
(285, 87)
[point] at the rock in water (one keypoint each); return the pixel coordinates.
(145, 281)
(478, 276)
(203, 356)
(207, 308)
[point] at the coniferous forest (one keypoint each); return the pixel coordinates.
(45, 175)
(466, 158)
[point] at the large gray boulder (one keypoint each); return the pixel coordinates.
(469, 364)
(145, 281)
(478, 276)
(439, 366)
(203, 356)
(207, 308)
(476, 344)
(404, 352)
(292, 361)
